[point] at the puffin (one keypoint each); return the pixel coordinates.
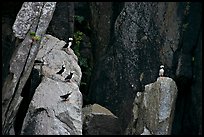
(161, 71)
(38, 62)
(65, 97)
(68, 78)
(61, 70)
(69, 43)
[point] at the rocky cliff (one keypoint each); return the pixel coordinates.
(35, 18)
(153, 109)
(115, 57)
(146, 35)
(48, 114)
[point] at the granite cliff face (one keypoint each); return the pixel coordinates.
(146, 35)
(153, 109)
(33, 17)
(47, 113)
(129, 41)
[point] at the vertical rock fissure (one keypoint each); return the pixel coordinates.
(23, 70)
(27, 94)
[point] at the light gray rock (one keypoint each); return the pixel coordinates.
(28, 14)
(155, 107)
(48, 114)
(22, 60)
(53, 58)
(98, 120)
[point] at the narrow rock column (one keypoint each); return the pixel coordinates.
(32, 17)
(153, 109)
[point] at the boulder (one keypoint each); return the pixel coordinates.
(98, 120)
(48, 114)
(153, 109)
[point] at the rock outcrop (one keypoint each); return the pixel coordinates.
(153, 109)
(98, 120)
(129, 41)
(48, 114)
(33, 17)
(142, 32)
(145, 36)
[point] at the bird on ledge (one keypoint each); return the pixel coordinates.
(63, 69)
(161, 71)
(65, 97)
(68, 78)
(69, 43)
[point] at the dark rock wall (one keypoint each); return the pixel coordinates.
(188, 74)
(9, 12)
(101, 13)
(146, 35)
(128, 63)
(59, 24)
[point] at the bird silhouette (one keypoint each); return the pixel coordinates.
(62, 70)
(38, 61)
(68, 78)
(65, 97)
(69, 43)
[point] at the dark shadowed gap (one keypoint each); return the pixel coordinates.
(27, 93)
(186, 122)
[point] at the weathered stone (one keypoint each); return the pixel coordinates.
(133, 58)
(157, 105)
(101, 13)
(48, 114)
(98, 120)
(25, 18)
(22, 60)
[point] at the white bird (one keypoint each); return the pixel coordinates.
(161, 71)
(70, 42)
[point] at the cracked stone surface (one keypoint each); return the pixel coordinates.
(22, 60)
(145, 36)
(48, 114)
(155, 107)
(28, 15)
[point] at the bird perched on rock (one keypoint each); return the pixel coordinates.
(68, 78)
(65, 97)
(38, 62)
(161, 71)
(69, 43)
(61, 70)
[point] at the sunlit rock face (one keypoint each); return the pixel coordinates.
(153, 110)
(48, 114)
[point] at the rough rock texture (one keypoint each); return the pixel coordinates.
(48, 114)
(133, 59)
(22, 60)
(153, 109)
(98, 120)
